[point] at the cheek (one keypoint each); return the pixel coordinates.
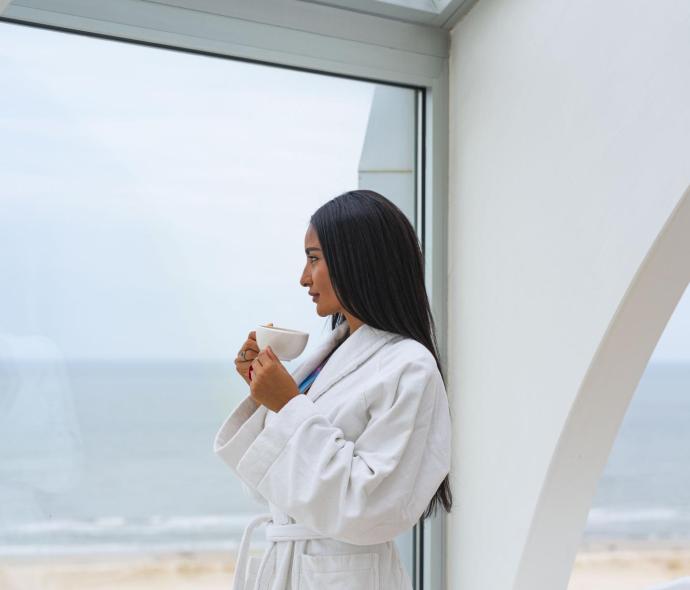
(322, 280)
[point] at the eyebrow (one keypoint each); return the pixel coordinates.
(307, 250)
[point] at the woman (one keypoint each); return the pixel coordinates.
(351, 459)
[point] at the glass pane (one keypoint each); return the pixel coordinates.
(152, 212)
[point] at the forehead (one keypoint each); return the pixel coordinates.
(310, 237)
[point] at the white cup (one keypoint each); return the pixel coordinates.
(287, 344)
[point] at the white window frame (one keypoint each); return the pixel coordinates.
(320, 39)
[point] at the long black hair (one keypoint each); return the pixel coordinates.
(376, 267)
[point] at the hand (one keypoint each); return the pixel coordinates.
(251, 350)
(271, 384)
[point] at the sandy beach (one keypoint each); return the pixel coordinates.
(629, 565)
(183, 571)
(610, 566)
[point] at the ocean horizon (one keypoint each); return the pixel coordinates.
(116, 457)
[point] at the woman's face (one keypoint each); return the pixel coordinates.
(316, 277)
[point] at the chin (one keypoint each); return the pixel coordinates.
(321, 312)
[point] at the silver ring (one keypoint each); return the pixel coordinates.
(242, 355)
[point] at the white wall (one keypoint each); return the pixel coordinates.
(570, 155)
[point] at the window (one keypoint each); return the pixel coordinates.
(152, 212)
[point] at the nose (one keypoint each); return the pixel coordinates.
(305, 279)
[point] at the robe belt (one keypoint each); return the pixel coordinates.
(274, 533)
(291, 532)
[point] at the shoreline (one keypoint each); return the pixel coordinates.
(606, 564)
(182, 570)
(625, 564)
(618, 544)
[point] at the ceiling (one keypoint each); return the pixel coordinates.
(403, 42)
(437, 13)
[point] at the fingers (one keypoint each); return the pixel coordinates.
(266, 357)
(261, 360)
(242, 366)
(252, 334)
(250, 352)
(253, 359)
(250, 349)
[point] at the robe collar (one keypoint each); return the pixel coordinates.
(357, 348)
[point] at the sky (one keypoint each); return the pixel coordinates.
(674, 344)
(154, 203)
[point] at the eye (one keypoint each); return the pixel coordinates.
(312, 258)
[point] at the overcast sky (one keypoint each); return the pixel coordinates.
(154, 203)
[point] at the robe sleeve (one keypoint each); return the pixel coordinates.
(362, 491)
(254, 495)
(242, 426)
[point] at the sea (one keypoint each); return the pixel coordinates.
(644, 491)
(117, 457)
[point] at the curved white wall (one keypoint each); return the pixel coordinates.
(570, 155)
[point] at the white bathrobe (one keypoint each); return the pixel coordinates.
(345, 468)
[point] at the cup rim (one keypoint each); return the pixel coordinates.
(288, 330)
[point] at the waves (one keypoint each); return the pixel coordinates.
(602, 517)
(119, 525)
(648, 523)
(118, 535)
